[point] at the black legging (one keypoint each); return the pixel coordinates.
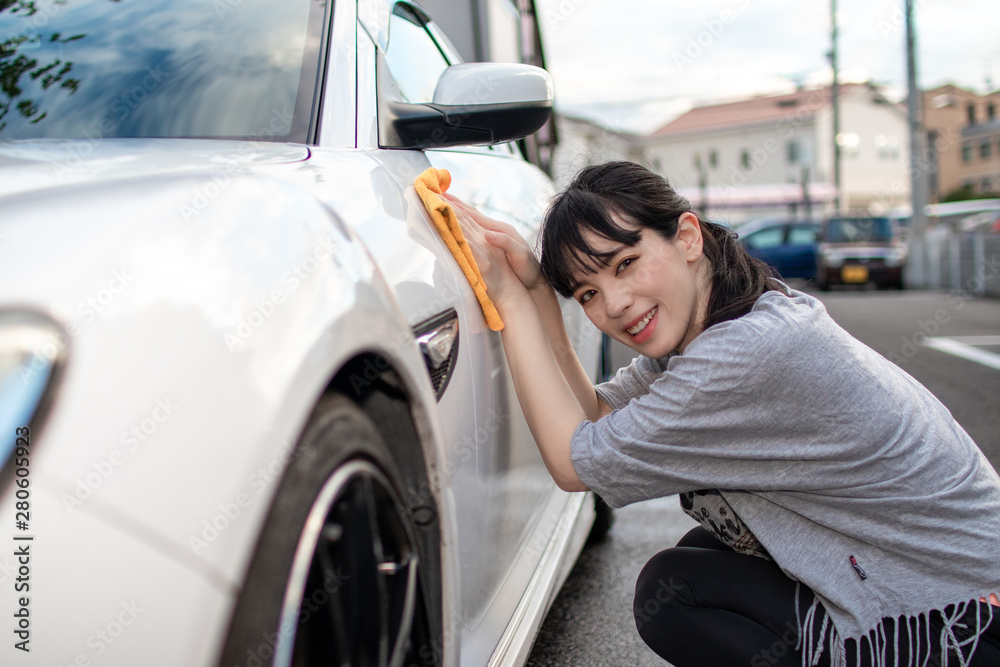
(701, 604)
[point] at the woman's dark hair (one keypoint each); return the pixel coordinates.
(645, 200)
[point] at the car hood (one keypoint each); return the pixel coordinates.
(32, 165)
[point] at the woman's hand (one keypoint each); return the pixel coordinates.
(502, 282)
(505, 237)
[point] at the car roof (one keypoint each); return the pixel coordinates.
(766, 223)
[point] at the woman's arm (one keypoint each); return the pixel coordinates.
(551, 404)
(525, 266)
(545, 299)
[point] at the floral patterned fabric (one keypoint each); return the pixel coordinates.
(711, 510)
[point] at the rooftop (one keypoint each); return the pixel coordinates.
(755, 110)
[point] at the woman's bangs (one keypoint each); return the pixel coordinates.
(567, 254)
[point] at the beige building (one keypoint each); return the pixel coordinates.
(773, 155)
(963, 135)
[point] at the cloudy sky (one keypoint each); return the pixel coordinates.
(634, 64)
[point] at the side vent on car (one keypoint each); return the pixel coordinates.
(438, 342)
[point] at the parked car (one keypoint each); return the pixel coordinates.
(856, 250)
(789, 246)
(251, 411)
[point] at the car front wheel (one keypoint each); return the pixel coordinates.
(335, 578)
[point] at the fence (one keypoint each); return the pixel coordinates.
(968, 263)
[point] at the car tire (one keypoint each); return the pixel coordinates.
(335, 577)
(604, 519)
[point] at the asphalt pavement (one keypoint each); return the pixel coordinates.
(590, 623)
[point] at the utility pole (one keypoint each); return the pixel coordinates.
(835, 104)
(806, 201)
(918, 174)
(702, 186)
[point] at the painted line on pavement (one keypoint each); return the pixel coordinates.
(960, 348)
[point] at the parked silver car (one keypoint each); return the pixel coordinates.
(251, 412)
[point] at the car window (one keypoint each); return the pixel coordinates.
(765, 238)
(859, 230)
(414, 58)
(801, 235)
(159, 68)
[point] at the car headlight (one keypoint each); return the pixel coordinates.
(833, 258)
(32, 354)
(895, 256)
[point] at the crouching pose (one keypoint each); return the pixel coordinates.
(846, 518)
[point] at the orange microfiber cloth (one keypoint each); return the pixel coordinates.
(430, 186)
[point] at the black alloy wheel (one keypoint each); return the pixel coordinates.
(336, 576)
(353, 587)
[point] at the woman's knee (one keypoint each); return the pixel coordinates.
(661, 586)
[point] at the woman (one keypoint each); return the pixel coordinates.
(846, 517)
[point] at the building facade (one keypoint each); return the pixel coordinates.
(773, 155)
(963, 131)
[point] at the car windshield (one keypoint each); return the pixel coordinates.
(858, 230)
(233, 69)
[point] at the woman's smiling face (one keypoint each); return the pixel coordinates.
(652, 296)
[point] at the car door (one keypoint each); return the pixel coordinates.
(506, 506)
(800, 252)
(766, 244)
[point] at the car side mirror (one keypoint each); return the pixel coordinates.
(473, 103)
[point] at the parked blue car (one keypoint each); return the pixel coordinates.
(789, 246)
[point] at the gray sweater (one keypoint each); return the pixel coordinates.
(824, 448)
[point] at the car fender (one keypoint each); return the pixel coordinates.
(197, 348)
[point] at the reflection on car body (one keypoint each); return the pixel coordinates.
(344, 475)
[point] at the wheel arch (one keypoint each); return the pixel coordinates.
(372, 381)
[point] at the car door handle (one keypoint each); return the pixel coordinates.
(437, 339)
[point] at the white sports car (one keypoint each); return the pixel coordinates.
(251, 412)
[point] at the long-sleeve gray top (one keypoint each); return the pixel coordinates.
(823, 447)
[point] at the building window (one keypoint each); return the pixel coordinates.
(713, 158)
(849, 143)
(984, 150)
(745, 158)
(987, 185)
(794, 152)
(991, 112)
(888, 147)
(971, 111)
(966, 153)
